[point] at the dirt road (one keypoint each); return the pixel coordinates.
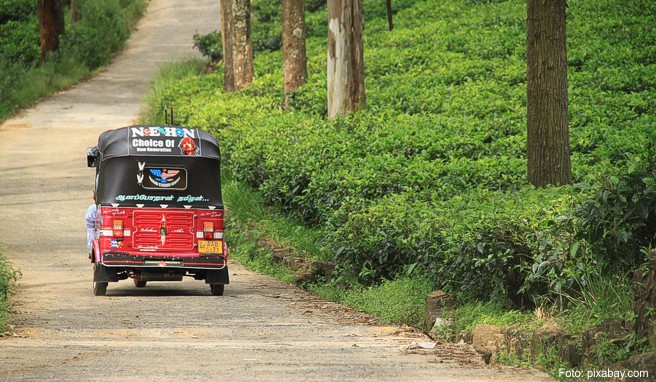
(261, 329)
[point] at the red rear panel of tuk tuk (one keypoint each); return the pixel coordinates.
(161, 232)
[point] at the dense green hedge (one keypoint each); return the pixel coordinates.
(431, 176)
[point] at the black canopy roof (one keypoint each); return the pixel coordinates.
(145, 140)
(151, 165)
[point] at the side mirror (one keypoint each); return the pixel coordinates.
(92, 157)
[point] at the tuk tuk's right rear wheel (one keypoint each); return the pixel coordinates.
(99, 288)
(217, 289)
(139, 283)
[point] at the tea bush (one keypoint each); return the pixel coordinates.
(209, 45)
(431, 175)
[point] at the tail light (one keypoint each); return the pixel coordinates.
(208, 230)
(117, 227)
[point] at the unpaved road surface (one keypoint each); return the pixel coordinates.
(262, 329)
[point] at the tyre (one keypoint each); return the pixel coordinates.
(217, 289)
(99, 288)
(139, 283)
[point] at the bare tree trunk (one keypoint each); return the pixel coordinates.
(226, 34)
(548, 150)
(242, 45)
(51, 25)
(345, 57)
(293, 45)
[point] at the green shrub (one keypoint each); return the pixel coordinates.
(102, 30)
(209, 45)
(17, 10)
(620, 218)
(19, 43)
(8, 277)
(266, 25)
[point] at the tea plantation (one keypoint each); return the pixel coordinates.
(430, 178)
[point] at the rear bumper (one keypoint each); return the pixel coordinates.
(103, 273)
(127, 260)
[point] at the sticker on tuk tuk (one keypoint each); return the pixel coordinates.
(156, 177)
(164, 141)
(115, 243)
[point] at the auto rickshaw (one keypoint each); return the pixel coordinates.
(159, 213)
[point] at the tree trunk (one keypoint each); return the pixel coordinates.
(548, 150)
(345, 57)
(242, 45)
(293, 45)
(60, 19)
(51, 25)
(226, 34)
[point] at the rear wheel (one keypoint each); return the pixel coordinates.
(139, 283)
(217, 289)
(99, 288)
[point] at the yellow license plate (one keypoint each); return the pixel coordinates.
(207, 246)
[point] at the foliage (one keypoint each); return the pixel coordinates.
(600, 299)
(102, 30)
(266, 25)
(620, 219)
(248, 220)
(430, 177)
(17, 10)
(393, 302)
(8, 277)
(167, 76)
(478, 312)
(209, 45)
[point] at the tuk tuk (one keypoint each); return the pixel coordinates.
(159, 212)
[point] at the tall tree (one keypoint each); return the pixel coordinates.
(242, 44)
(51, 25)
(226, 35)
(345, 57)
(548, 150)
(293, 45)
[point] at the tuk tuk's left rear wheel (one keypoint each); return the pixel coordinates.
(99, 288)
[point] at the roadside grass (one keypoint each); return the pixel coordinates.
(248, 221)
(8, 277)
(54, 75)
(394, 302)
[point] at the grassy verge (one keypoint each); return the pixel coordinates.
(8, 277)
(255, 232)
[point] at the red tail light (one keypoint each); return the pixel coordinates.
(208, 230)
(117, 227)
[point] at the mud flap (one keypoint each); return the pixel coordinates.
(103, 274)
(219, 276)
